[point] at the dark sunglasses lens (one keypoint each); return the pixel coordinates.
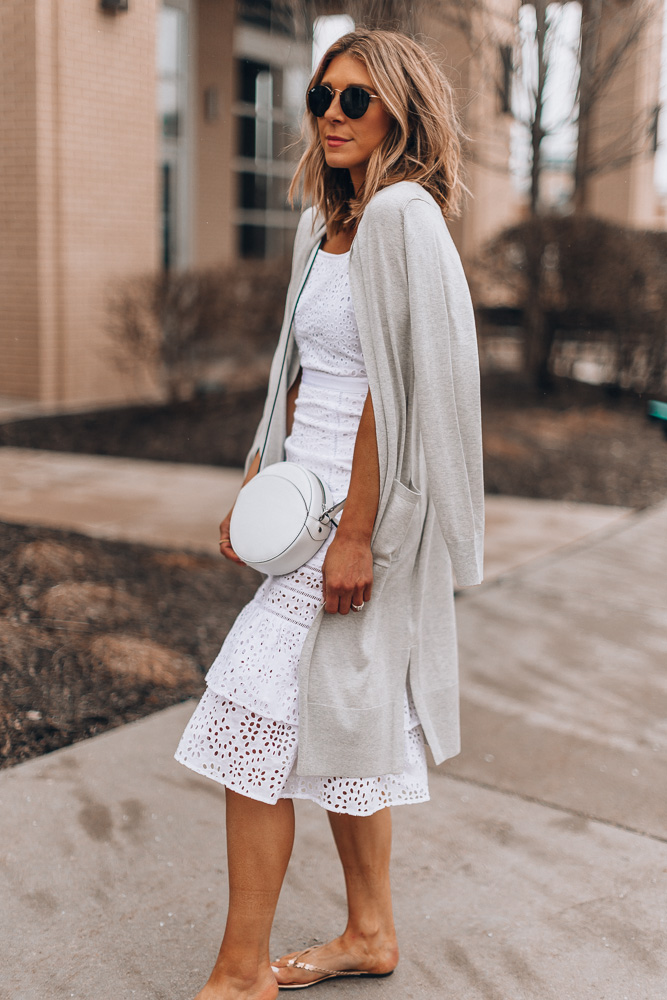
(319, 99)
(354, 101)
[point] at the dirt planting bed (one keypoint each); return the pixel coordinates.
(94, 633)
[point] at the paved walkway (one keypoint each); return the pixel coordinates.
(176, 505)
(537, 872)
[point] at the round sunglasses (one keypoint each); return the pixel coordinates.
(354, 101)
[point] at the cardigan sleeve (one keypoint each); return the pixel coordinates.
(446, 385)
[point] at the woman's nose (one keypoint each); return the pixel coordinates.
(334, 112)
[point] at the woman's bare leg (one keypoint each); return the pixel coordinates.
(368, 942)
(259, 844)
(364, 848)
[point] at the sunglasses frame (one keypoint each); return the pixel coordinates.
(333, 91)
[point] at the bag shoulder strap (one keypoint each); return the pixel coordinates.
(327, 517)
(282, 366)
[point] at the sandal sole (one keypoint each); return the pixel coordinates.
(335, 975)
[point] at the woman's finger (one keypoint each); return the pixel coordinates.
(331, 602)
(330, 596)
(344, 602)
(358, 599)
(227, 551)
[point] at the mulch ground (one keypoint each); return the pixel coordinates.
(213, 429)
(96, 633)
(579, 444)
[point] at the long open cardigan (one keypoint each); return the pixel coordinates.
(417, 333)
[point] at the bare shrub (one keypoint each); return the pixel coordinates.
(598, 282)
(174, 326)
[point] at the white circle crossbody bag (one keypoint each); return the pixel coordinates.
(284, 513)
(281, 518)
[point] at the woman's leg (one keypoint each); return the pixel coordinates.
(364, 848)
(368, 942)
(259, 844)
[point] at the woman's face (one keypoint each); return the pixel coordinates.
(349, 142)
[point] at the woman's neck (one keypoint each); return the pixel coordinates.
(340, 243)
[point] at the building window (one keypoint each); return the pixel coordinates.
(271, 77)
(173, 129)
(269, 15)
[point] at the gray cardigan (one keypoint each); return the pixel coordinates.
(417, 332)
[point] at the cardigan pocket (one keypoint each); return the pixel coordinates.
(395, 522)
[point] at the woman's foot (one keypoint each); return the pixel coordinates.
(230, 988)
(346, 953)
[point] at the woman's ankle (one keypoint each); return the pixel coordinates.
(225, 986)
(377, 943)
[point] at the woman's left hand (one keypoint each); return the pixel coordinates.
(347, 574)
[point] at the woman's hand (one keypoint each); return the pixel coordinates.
(348, 565)
(347, 574)
(226, 549)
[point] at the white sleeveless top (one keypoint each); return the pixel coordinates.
(325, 327)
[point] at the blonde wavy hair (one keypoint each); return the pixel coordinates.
(423, 145)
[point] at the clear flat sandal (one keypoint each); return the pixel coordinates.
(296, 963)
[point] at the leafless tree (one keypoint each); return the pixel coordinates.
(609, 34)
(157, 322)
(391, 14)
(610, 31)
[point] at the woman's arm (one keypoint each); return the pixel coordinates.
(348, 565)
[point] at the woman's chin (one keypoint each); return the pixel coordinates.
(334, 159)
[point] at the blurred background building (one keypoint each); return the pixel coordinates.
(140, 135)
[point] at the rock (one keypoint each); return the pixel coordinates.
(78, 603)
(48, 558)
(19, 644)
(145, 661)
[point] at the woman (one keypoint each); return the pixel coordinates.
(378, 395)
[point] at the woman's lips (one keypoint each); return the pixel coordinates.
(334, 140)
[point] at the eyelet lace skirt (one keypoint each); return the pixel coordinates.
(244, 732)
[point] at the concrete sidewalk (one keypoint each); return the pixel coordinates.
(180, 506)
(537, 872)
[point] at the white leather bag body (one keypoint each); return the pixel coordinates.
(281, 518)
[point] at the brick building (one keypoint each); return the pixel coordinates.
(154, 136)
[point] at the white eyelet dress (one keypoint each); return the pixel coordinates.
(244, 732)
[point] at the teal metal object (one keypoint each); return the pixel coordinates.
(656, 410)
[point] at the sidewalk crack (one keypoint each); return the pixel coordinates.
(568, 810)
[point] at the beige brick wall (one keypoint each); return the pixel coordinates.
(493, 203)
(214, 140)
(19, 306)
(82, 96)
(627, 194)
(108, 174)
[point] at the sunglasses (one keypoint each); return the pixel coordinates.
(354, 101)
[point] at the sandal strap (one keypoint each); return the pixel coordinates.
(294, 963)
(316, 968)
